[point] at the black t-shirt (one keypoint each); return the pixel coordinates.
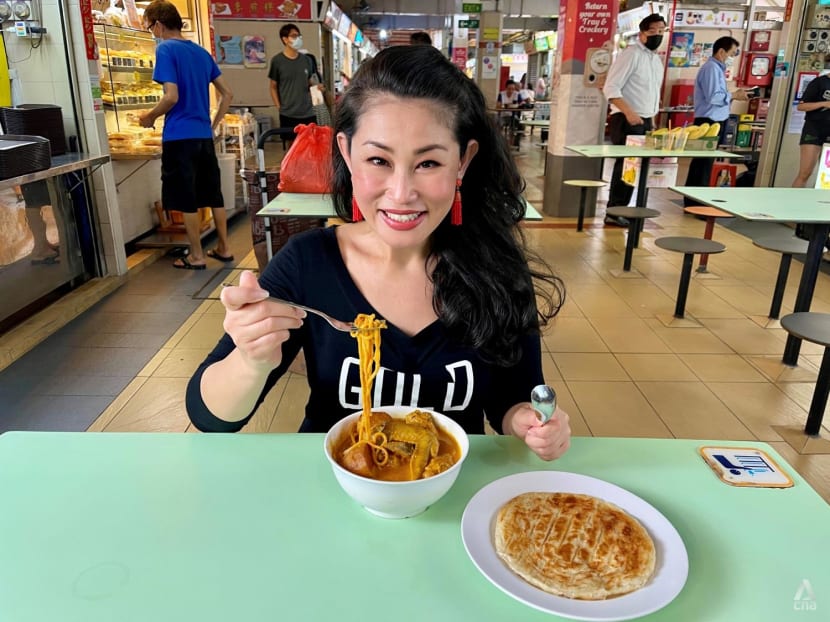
(818, 90)
(427, 370)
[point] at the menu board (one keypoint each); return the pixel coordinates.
(258, 9)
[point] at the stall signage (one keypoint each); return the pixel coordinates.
(470, 7)
(262, 9)
(468, 23)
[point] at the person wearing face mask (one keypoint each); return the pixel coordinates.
(712, 103)
(633, 91)
(816, 131)
(291, 75)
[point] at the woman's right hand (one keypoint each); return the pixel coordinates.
(257, 326)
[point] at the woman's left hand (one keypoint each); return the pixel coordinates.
(549, 441)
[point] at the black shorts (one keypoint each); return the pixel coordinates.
(814, 133)
(190, 175)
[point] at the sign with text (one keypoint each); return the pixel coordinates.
(259, 9)
(89, 38)
(490, 34)
(468, 23)
(590, 24)
(470, 7)
(459, 58)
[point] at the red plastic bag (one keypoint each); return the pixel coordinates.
(307, 165)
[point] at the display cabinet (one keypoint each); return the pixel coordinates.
(126, 58)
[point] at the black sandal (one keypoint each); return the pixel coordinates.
(186, 265)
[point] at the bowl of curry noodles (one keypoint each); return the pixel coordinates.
(398, 461)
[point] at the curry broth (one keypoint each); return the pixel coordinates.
(399, 472)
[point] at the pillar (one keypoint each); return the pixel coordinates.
(488, 61)
(578, 108)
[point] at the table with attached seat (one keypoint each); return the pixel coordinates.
(807, 206)
(644, 153)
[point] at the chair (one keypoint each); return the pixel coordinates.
(633, 215)
(583, 185)
(787, 247)
(689, 247)
(708, 214)
(814, 327)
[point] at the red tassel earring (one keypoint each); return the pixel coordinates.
(455, 214)
(356, 215)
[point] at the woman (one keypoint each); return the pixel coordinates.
(816, 130)
(463, 335)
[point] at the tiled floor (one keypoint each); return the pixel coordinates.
(621, 365)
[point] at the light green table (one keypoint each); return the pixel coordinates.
(211, 528)
(808, 206)
(634, 151)
(302, 205)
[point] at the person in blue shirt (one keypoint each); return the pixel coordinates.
(189, 168)
(712, 103)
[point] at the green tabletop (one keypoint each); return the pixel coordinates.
(536, 122)
(634, 151)
(802, 205)
(300, 205)
(105, 527)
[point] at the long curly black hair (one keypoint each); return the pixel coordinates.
(489, 289)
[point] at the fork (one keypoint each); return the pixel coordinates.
(346, 327)
(340, 325)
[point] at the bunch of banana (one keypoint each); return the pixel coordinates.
(694, 132)
(714, 130)
(660, 132)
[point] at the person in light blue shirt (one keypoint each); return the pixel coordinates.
(712, 103)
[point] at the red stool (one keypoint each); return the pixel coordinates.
(709, 213)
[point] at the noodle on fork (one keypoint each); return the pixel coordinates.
(367, 332)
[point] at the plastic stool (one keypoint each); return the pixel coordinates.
(814, 327)
(689, 247)
(583, 185)
(709, 213)
(634, 215)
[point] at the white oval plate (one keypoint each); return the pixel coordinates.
(478, 526)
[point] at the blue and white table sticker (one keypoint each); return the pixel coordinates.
(745, 466)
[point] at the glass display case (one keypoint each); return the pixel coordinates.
(126, 58)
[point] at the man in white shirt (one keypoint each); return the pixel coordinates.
(633, 90)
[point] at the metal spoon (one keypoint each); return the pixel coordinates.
(543, 400)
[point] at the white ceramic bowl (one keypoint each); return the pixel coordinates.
(397, 499)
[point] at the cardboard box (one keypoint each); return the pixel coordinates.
(707, 143)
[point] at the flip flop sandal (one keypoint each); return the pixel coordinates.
(214, 255)
(186, 265)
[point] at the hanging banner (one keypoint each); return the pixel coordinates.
(257, 9)
(89, 38)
